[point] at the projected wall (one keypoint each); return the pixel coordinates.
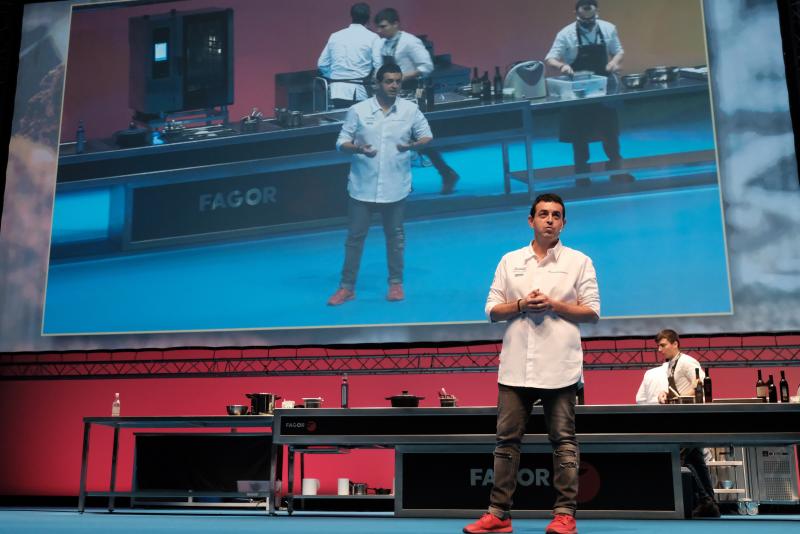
(217, 230)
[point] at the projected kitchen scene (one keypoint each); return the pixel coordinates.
(200, 187)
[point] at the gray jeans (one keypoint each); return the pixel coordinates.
(359, 214)
(513, 410)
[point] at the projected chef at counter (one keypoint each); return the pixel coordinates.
(588, 44)
(379, 132)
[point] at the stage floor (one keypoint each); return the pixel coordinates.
(52, 520)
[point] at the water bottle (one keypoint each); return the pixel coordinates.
(115, 406)
(345, 391)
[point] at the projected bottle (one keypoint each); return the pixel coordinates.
(345, 391)
(498, 84)
(784, 387)
(698, 386)
(115, 406)
(476, 87)
(772, 391)
(80, 139)
(707, 393)
(761, 388)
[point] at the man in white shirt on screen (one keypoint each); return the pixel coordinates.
(542, 290)
(379, 133)
(348, 57)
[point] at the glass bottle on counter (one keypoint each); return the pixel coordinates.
(707, 391)
(345, 392)
(772, 390)
(498, 84)
(80, 139)
(761, 388)
(115, 406)
(698, 386)
(430, 96)
(486, 84)
(476, 85)
(784, 387)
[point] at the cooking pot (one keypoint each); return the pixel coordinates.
(662, 74)
(358, 488)
(312, 402)
(404, 400)
(262, 403)
(236, 409)
(634, 81)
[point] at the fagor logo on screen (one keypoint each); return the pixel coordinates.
(236, 199)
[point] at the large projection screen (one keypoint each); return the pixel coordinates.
(109, 246)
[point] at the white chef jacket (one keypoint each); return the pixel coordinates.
(653, 383)
(543, 350)
(684, 372)
(410, 54)
(565, 46)
(348, 56)
(387, 176)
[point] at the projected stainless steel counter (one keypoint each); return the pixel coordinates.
(220, 183)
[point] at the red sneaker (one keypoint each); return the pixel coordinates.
(341, 296)
(395, 293)
(489, 523)
(562, 524)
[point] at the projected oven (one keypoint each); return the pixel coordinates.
(181, 61)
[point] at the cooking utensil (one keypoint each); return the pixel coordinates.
(634, 81)
(446, 400)
(312, 402)
(662, 74)
(237, 409)
(262, 403)
(405, 400)
(358, 488)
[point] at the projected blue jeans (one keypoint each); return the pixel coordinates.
(513, 410)
(359, 214)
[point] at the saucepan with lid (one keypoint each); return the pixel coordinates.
(405, 400)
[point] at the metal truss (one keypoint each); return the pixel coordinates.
(629, 353)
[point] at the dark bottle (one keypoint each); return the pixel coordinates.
(698, 386)
(345, 392)
(419, 94)
(476, 85)
(707, 393)
(498, 85)
(80, 139)
(430, 96)
(784, 387)
(761, 388)
(772, 390)
(486, 94)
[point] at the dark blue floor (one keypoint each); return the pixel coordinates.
(69, 521)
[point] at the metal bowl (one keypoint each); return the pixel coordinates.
(662, 74)
(237, 409)
(634, 81)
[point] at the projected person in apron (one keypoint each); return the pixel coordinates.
(588, 44)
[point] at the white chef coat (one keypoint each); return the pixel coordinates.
(409, 54)
(653, 383)
(348, 56)
(684, 372)
(565, 45)
(387, 176)
(543, 350)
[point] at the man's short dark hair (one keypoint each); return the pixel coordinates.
(359, 13)
(387, 68)
(549, 197)
(389, 15)
(670, 335)
(580, 3)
